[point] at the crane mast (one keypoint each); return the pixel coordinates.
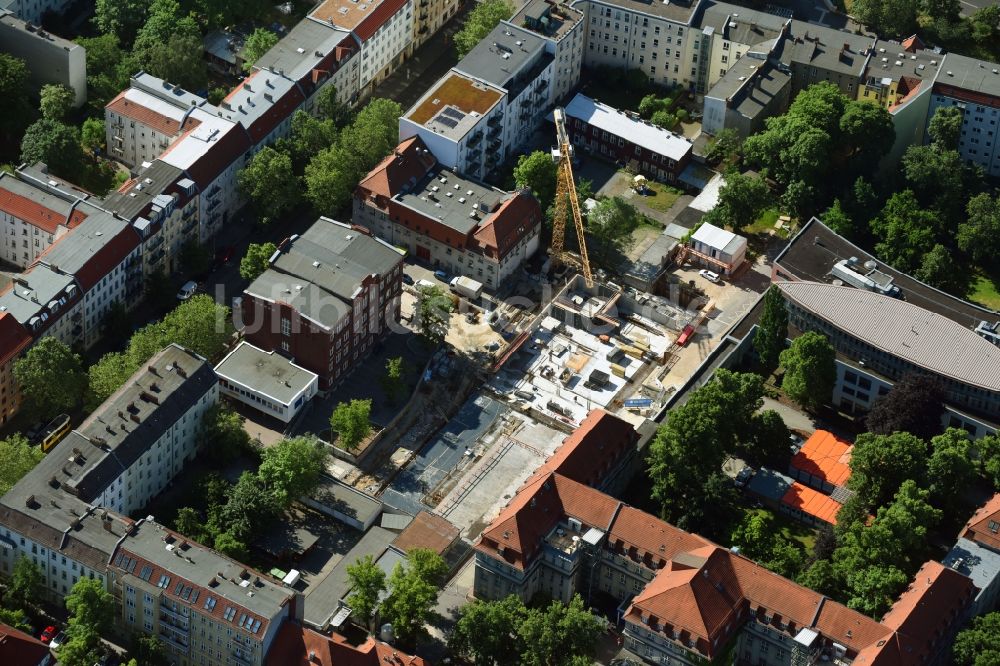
(567, 202)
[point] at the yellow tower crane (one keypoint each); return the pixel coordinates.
(566, 198)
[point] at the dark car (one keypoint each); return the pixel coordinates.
(407, 279)
(441, 275)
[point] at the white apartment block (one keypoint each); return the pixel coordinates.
(974, 87)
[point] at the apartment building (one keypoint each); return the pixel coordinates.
(14, 340)
(32, 11)
(50, 59)
(974, 87)
(143, 120)
(104, 256)
(203, 606)
(328, 296)
(382, 29)
(45, 302)
(429, 17)
(451, 222)
(626, 139)
(977, 555)
(263, 103)
(297, 645)
(163, 207)
(564, 30)
(33, 216)
(685, 600)
(316, 54)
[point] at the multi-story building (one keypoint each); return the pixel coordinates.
(627, 139)
(32, 11)
(34, 215)
(104, 255)
(717, 249)
(163, 207)
(316, 54)
(14, 339)
(266, 381)
(46, 302)
(977, 554)
(66, 514)
(50, 59)
(328, 296)
(263, 103)
(383, 30)
(446, 220)
(974, 87)
(143, 120)
(429, 16)
(685, 600)
(297, 644)
(17, 647)
(205, 607)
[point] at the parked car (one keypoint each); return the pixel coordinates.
(711, 276)
(441, 275)
(57, 640)
(796, 441)
(49, 633)
(187, 291)
(407, 279)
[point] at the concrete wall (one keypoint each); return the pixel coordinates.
(50, 59)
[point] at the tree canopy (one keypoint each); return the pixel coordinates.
(772, 330)
(256, 45)
(537, 172)
(367, 583)
(945, 127)
(913, 405)
(433, 313)
(810, 370)
(270, 183)
(56, 144)
(742, 199)
(256, 260)
(50, 377)
(413, 591)
(480, 22)
(611, 224)
(881, 463)
(979, 643)
(56, 101)
(352, 422)
(14, 77)
(291, 468)
(19, 457)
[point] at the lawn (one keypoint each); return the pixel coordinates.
(791, 529)
(764, 223)
(662, 196)
(984, 291)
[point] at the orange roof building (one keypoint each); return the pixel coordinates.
(984, 525)
(801, 499)
(20, 649)
(823, 462)
(427, 530)
(299, 646)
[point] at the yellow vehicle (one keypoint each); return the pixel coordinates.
(54, 432)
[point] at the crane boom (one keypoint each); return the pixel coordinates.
(567, 202)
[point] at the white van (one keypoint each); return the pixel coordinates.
(187, 291)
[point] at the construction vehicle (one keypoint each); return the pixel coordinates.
(567, 202)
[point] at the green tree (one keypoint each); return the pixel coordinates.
(874, 588)
(428, 565)
(291, 469)
(108, 69)
(25, 584)
(881, 463)
(106, 376)
(367, 583)
(867, 128)
(309, 136)
(90, 605)
(19, 457)
(652, 103)
(256, 260)
(328, 107)
(663, 119)
(487, 631)
(231, 545)
(394, 380)
(150, 651)
(770, 438)
(51, 377)
(822, 576)
(840, 221)
(409, 603)
(54, 143)
(978, 644)
(189, 523)
(945, 127)
(81, 647)
(760, 539)
(889, 18)
(559, 634)
(195, 258)
(950, 468)
(269, 181)
(55, 101)
(988, 448)
(611, 224)
(249, 506)
(741, 201)
(726, 147)
(352, 422)
(537, 172)
(433, 313)
(913, 405)
(939, 268)
(772, 330)
(169, 46)
(979, 234)
(121, 18)
(480, 22)
(17, 619)
(940, 179)
(93, 135)
(810, 370)
(256, 45)
(223, 436)
(14, 77)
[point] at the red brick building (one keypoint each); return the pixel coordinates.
(626, 139)
(327, 298)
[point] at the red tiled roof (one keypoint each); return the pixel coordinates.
(142, 114)
(825, 456)
(848, 627)
(36, 214)
(979, 528)
(13, 337)
(913, 44)
(541, 503)
(650, 539)
(429, 531)
(593, 448)
(812, 502)
(517, 217)
(19, 649)
(379, 16)
(294, 644)
(406, 163)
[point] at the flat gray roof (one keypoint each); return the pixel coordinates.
(679, 12)
(971, 74)
(249, 102)
(537, 16)
(202, 567)
(10, 21)
(295, 54)
(346, 500)
(769, 484)
(32, 291)
(323, 600)
(741, 24)
(79, 246)
(892, 62)
(499, 56)
(820, 46)
(154, 181)
(269, 373)
(307, 298)
(449, 198)
(969, 558)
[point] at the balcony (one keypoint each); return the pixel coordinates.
(495, 120)
(174, 643)
(186, 229)
(177, 625)
(241, 659)
(476, 136)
